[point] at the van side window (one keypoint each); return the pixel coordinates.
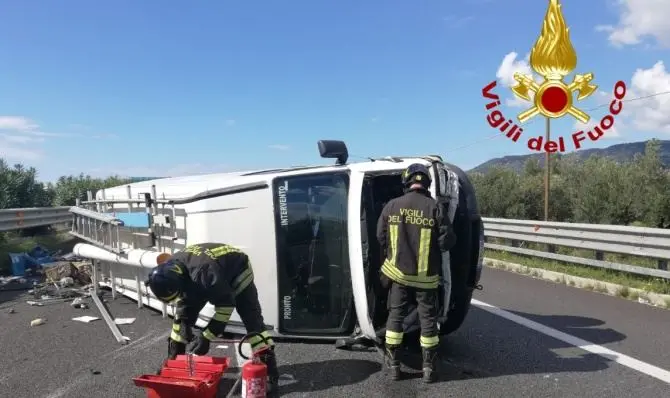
(313, 273)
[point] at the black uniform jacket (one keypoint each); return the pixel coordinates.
(217, 271)
(413, 233)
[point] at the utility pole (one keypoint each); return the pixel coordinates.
(547, 171)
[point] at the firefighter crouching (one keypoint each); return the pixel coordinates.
(222, 275)
(413, 234)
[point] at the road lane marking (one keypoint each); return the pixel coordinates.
(625, 360)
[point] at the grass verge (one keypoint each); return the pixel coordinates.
(649, 284)
(10, 243)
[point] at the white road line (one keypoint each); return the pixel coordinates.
(625, 360)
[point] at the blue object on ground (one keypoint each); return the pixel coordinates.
(38, 251)
(20, 263)
(39, 255)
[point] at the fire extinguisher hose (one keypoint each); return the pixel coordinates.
(247, 337)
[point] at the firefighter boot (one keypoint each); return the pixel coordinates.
(392, 362)
(429, 364)
(270, 360)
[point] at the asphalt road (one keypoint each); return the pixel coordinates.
(489, 356)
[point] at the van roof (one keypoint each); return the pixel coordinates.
(188, 186)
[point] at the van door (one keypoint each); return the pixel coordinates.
(312, 232)
(446, 192)
(356, 256)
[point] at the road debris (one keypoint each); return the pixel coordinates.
(38, 322)
(79, 303)
(11, 311)
(124, 321)
(86, 319)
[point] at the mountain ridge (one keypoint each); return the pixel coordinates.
(619, 152)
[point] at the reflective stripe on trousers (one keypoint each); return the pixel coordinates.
(257, 342)
(393, 338)
(429, 341)
(174, 335)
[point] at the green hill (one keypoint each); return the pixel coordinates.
(620, 152)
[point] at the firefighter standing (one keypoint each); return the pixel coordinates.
(413, 234)
(222, 275)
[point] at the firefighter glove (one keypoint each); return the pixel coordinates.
(200, 346)
(175, 348)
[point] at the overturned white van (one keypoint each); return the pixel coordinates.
(309, 232)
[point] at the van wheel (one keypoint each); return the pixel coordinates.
(456, 315)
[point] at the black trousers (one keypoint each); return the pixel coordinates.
(399, 299)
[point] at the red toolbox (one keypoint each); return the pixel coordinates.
(175, 380)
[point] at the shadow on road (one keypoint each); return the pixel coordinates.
(578, 326)
(489, 346)
(323, 375)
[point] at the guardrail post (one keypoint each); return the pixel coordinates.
(551, 248)
(600, 256)
(663, 265)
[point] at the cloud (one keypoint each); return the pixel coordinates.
(18, 138)
(640, 19)
(279, 147)
(650, 114)
(456, 22)
(612, 132)
(17, 123)
(505, 75)
(104, 136)
(178, 170)
(21, 138)
(15, 153)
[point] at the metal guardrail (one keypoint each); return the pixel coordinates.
(14, 219)
(651, 243)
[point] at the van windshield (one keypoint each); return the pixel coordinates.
(315, 292)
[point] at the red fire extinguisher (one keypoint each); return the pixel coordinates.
(254, 373)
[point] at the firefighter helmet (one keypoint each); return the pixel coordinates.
(416, 173)
(167, 280)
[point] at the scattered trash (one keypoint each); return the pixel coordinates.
(11, 311)
(86, 319)
(642, 300)
(34, 303)
(124, 321)
(60, 271)
(66, 281)
(38, 322)
(79, 303)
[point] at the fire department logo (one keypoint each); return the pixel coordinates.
(553, 58)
